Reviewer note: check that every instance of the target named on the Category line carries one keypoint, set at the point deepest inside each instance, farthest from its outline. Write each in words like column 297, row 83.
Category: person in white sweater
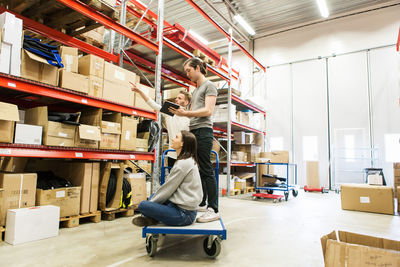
column 175, row 203
column 174, row 124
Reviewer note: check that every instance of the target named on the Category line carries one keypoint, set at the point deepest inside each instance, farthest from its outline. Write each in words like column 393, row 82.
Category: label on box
column 62, row 134
column 364, row 200
column 60, row 194
column 90, row 131
column 69, row 61
column 127, row 135
column 119, row 75
column 110, row 124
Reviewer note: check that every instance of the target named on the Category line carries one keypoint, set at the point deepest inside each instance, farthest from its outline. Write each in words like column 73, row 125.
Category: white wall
column 364, row 109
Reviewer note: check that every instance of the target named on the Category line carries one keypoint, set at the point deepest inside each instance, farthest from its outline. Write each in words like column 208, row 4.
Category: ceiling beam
column 236, row 29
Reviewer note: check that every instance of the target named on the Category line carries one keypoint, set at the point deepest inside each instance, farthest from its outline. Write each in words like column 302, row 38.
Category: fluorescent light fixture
column 323, row 8
column 244, row 24
column 201, row 39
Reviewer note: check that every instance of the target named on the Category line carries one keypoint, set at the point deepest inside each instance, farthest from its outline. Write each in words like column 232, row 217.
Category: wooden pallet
column 74, row 221
column 249, row 189
column 112, row 214
column 2, row 232
column 234, row 192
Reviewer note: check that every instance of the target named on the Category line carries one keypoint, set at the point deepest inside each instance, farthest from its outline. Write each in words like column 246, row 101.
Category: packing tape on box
column 128, row 135
column 69, row 61
column 20, row 191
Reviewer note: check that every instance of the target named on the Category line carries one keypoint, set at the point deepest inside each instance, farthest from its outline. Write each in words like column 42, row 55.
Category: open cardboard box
column 351, row 249
column 106, row 169
column 8, row 116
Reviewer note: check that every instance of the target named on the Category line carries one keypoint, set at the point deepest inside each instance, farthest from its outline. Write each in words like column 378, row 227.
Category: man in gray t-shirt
column 204, row 98
column 198, row 101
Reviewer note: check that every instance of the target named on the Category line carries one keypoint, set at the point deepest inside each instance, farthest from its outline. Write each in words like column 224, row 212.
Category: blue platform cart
column 214, row 232
column 286, row 188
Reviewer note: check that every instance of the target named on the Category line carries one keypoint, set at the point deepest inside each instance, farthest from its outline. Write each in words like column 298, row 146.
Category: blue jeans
column 167, row 213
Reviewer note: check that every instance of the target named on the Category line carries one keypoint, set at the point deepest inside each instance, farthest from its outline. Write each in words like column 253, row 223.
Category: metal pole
column 229, row 127
column 370, row 109
column 329, row 122
column 160, row 27
column 122, row 20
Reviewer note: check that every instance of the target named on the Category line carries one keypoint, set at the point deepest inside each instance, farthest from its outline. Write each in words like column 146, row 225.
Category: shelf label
column 12, row 85
column 132, row 156
column 5, row 151
column 84, row 101
column 134, row 112
column 78, row 155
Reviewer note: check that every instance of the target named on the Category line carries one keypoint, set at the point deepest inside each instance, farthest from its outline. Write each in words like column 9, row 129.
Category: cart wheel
column 295, row 193
column 151, row 245
column 275, row 200
column 270, row 191
column 286, row 196
column 215, row 248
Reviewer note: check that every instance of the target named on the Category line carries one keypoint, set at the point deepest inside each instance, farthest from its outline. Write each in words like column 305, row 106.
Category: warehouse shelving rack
column 141, row 56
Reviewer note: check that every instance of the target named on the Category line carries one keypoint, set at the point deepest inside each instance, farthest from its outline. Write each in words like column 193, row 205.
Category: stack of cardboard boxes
column 252, row 119
column 247, row 146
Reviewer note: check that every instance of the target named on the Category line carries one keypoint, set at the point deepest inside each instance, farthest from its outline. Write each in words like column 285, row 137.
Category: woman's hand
column 135, row 88
column 181, row 111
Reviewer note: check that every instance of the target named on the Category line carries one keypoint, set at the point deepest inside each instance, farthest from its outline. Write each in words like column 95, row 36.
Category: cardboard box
column 144, row 165
column 398, row 198
column 116, row 74
column 251, row 151
column 19, row 191
column 240, row 137
column 8, row 116
column 138, row 186
column 111, row 132
column 87, row 136
column 94, row 189
column 1, row 201
column 128, row 136
column 31, row 224
column 74, row 81
column 105, row 172
column 276, row 156
column 142, row 144
column 54, row 133
column 139, row 101
column 95, row 86
column 110, row 141
column 370, row 198
column 13, row 164
column 69, row 58
column 241, row 185
column 312, row 174
column 351, row 249
column 68, row 199
column 118, row 93
column 38, row 69
column 91, row 116
column 91, row 65
column 10, row 44
column 28, row 134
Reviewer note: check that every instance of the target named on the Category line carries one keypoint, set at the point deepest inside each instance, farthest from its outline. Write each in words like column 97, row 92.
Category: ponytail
column 197, row 62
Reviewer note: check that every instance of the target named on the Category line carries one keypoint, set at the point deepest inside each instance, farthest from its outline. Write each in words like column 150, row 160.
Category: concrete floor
column 260, row 233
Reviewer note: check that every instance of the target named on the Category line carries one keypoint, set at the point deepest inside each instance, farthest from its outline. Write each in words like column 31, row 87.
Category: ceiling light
column 201, row 39
column 323, row 9
column 244, row 24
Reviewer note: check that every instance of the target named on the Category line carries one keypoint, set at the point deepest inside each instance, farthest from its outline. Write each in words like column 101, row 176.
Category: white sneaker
column 208, row 216
column 202, row 208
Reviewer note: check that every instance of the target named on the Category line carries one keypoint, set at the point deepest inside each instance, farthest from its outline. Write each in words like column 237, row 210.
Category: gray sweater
column 182, row 186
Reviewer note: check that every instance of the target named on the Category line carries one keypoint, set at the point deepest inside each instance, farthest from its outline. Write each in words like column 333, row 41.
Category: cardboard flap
column 88, row 132
column 36, row 57
column 36, row 116
column 110, row 127
column 8, row 112
column 91, row 117
column 324, row 241
column 370, row 241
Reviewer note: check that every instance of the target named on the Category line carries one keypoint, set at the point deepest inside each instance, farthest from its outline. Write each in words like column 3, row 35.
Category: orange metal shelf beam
column 14, row 150
column 27, row 86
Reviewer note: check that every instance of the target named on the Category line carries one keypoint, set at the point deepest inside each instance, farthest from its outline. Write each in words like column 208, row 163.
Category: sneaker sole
column 207, row 220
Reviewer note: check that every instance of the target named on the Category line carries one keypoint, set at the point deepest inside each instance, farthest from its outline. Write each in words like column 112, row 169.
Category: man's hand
column 181, row 111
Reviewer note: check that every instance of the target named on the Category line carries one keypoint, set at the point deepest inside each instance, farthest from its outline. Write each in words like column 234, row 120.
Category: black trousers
column 171, row 162
column 204, row 138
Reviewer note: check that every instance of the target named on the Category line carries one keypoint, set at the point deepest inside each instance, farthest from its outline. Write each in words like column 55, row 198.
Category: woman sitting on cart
column 175, row 203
